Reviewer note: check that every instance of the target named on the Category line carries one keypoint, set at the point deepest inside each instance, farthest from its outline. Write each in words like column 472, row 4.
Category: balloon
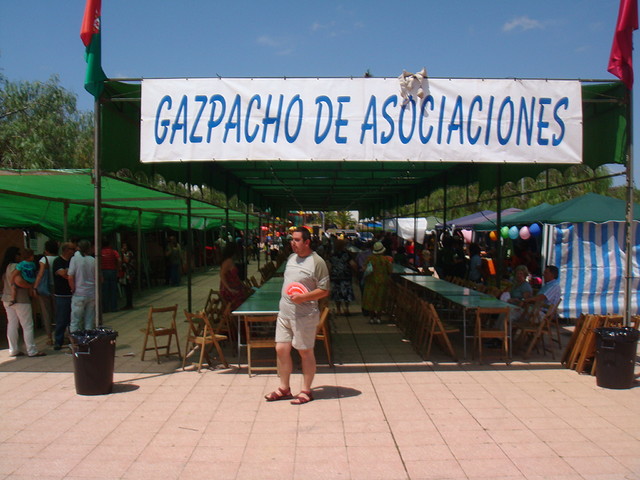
column 513, row 232
column 524, row 233
column 493, row 236
column 467, row 235
column 534, row 229
column 504, row 232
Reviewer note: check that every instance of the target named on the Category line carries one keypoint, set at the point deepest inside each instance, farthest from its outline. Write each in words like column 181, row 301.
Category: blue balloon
column 513, row 232
column 534, row 229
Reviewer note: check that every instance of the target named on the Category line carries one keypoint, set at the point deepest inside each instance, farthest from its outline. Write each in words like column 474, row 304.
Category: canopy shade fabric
column 513, row 218
column 38, row 200
column 587, row 208
column 371, row 187
column 469, row 221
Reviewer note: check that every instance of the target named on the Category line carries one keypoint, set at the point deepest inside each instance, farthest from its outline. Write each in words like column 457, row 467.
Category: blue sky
column 197, row 38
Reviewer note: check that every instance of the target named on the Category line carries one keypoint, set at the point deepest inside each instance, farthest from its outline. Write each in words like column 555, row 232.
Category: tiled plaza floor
column 380, row 413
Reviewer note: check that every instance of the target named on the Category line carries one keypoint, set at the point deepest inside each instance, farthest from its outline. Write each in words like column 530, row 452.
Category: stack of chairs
column 579, row 355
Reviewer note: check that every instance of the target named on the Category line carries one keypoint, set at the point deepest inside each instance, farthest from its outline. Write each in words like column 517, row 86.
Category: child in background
column 24, row 275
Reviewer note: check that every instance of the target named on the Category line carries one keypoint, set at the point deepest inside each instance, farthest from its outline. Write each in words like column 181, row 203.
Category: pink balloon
column 468, row 235
column 524, row 233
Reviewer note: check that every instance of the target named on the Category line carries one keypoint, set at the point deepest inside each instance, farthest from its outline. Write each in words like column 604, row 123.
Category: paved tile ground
column 381, row 413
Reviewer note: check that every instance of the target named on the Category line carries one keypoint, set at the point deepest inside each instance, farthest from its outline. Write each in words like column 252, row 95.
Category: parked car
column 366, row 236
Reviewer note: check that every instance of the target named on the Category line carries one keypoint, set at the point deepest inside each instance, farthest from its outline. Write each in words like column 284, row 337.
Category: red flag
column 621, row 58
column 90, row 35
column 90, row 21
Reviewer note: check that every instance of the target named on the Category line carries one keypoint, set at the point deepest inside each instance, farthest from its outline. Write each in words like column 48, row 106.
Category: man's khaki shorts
column 301, row 333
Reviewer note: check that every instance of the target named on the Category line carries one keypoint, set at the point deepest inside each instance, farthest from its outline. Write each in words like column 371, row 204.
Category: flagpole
column 629, row 240
column 97, row 210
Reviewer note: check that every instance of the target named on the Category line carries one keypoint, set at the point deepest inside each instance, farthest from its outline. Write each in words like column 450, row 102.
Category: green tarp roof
column 370, row 187
column 587, row 208
column 38, row 199
column 512, row 219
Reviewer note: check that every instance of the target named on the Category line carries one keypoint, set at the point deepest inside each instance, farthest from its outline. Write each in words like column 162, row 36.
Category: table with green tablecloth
column 464, row 298
column 263, row 302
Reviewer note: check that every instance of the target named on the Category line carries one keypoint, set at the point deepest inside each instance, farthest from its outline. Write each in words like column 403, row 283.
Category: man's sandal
column 279, row 394
column 305, row 396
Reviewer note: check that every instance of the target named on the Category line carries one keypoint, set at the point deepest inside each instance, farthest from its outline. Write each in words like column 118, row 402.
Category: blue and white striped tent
column 591, row 258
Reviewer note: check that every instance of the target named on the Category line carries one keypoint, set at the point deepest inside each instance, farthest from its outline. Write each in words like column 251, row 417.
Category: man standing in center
column 81, row 274
column 299, row 316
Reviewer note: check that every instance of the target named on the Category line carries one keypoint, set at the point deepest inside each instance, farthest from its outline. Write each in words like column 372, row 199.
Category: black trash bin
column 94, row 354
column 616, row 356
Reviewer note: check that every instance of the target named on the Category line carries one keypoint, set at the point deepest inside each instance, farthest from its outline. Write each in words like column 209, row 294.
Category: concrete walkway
column 380, row 413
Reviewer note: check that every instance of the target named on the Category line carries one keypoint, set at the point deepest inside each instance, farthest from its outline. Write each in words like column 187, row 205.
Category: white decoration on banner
column 411, row 83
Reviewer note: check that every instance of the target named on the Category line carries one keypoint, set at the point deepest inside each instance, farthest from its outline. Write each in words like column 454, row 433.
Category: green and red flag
column 621, row 58
column 90, row 35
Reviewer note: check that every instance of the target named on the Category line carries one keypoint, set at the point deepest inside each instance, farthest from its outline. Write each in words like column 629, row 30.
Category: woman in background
column 45, row 274
column 232, row 290
column 19, row 313
column 376, row 282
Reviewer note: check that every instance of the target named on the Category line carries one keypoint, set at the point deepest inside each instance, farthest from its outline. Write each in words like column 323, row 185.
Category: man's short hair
column 68, row 246
column 554, row 270
column 85, row 247
column 306, row 234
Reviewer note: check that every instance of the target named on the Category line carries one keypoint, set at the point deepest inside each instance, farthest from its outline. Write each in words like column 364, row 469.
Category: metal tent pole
column 499, row 262
column 629, row 241
column 97, row 211
column 189, row 242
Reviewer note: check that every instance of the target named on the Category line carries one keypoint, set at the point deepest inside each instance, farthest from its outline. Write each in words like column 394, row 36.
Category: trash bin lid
column 84, row 337
column 618, row 334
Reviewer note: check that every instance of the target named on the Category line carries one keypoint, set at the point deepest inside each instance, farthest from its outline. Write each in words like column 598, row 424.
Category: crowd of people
column 62, row 280
column 447, row 255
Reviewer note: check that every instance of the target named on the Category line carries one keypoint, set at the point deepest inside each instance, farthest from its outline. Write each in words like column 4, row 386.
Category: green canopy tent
column 590, row 207
column 59, row 203
column 513, row 219
column 371, row 187
column 374, row 188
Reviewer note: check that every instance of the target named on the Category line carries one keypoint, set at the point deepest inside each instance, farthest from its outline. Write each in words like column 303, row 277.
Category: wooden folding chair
column 484, row 329
column 571, row 344
column 201, row 335
column 433, row 326
column 536, row 329
column 583, row 328
column 323, row 333
column 213, row 300
column 225, row 324
column 587, row 353
column 260, row 335
column 154, row 331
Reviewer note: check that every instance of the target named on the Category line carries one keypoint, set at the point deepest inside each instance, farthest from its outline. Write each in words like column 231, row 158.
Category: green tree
column 551, row 186
column 40, row 127
column 340, row 219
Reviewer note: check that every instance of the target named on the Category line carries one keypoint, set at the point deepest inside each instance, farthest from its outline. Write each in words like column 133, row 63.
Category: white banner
column 367, row 119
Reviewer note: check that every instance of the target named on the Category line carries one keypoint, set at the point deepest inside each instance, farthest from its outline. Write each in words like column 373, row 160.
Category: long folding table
column 263, row 302
column 463, row 297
